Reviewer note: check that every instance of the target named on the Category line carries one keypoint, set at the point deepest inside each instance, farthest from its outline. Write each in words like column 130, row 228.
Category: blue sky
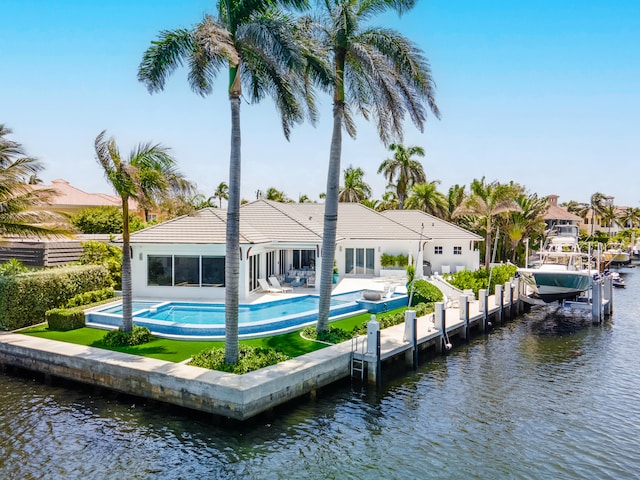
column 542, row 93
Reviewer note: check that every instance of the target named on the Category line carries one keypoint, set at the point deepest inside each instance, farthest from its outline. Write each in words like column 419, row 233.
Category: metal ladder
column 357, row 364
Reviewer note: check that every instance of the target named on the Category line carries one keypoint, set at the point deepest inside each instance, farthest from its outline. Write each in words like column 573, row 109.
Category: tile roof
column 264, row 221
column 69, row 196
column 434, row 227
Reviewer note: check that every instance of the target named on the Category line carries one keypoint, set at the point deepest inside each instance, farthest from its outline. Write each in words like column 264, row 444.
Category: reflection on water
column 537, row 398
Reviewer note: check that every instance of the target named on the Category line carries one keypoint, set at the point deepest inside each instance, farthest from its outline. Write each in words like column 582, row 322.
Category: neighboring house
column 70, row 200
column 446, row 246
column 49, row 252
column 184, row 258
column 556, row 215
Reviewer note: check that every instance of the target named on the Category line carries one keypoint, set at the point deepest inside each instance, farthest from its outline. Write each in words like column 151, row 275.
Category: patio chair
column 264, row 285
column 311, row 281
column 276, row 284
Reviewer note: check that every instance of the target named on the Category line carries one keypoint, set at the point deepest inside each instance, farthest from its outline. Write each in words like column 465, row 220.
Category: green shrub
column 100, row 253
column 338, row 335
column 25, row 298
column 479, row 279
column 104, row 220
column 402, row 260
column 387, row 260
column 425, row 292
column 118, row 338
column 91, row 296
column 249, row 359
column 12, row 267
column 64, row 319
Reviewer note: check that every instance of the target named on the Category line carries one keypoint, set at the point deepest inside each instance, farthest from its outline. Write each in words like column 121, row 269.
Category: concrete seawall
column 235, row 396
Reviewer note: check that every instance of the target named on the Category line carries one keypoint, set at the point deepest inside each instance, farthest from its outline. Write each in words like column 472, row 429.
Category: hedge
column 25, row 298
column 72, row 315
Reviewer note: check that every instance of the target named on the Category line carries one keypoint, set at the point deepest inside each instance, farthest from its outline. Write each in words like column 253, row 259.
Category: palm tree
column 303, row 198
column 260, row 47
column 371, row 203
column 147, row 172
column 455, row 197
column 355, row 189
column 426, row 197
column 486, row 201
column 631, row 217
column 275, row 195
column 389, row 201
column 23, row 209
column 527, row 222
column 597, row 204
column 378, row 73
column 404, row 169
column 609, row 215
column 221, row 193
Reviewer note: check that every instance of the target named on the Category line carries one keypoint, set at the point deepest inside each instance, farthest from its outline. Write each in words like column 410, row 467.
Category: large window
column 160, row 270
column 304, row 259
column 185, row 271
column 359, row 261
column 213, row 271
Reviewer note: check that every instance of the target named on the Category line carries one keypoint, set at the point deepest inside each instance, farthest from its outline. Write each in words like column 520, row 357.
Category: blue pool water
column 192, row 319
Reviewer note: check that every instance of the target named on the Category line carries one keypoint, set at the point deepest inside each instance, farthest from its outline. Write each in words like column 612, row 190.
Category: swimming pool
column 206, row 320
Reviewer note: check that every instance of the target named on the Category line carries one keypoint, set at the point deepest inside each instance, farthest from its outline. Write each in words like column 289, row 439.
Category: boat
column 614, row 255
column 616, row 279
column 635, row 250
column 563, row 271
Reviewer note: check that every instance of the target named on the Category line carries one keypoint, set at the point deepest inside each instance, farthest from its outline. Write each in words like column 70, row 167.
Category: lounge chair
column 275, row 283
column 264, row 285
column 311, row 281
column 446, row 269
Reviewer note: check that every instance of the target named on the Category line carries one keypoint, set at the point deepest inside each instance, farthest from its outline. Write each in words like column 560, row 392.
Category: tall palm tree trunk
column 330, row 218
column 127, row 294
column 232, row 258
column 487, row 247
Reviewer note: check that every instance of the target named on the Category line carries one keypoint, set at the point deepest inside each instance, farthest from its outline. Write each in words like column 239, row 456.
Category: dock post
column 596, row 301
column 510, row 286
column 411, row 334
column 464, row 314
column 499, row 299
column 439, row 324
column 484, row 309
column 608, row 295
column 518, row 288
column 373, row 351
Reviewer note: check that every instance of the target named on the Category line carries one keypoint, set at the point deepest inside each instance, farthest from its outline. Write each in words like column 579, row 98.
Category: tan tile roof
column 207, row 226
column 558, row 213
column 434, row 227
column 265, row 221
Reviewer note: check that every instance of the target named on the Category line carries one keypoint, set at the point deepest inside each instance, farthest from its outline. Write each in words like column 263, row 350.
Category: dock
column 242, row 397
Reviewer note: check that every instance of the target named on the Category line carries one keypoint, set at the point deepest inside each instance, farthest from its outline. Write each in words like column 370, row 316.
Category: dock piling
column 464, row 315
column 484, row 308
column 439, row 324
column 499, row 300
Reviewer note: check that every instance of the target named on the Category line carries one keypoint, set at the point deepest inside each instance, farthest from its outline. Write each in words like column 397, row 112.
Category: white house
column 184, row 258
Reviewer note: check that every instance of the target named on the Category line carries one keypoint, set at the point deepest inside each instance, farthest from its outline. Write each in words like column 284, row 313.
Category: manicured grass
column 291, row 344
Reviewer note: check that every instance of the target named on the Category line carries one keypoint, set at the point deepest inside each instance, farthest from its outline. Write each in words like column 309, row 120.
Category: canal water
column 546, row 396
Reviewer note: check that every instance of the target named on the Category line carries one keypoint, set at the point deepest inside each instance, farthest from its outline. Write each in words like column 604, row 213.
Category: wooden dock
column 453, row 322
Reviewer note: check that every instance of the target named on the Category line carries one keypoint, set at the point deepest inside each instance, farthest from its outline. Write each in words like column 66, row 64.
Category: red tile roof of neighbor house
column 69, row 196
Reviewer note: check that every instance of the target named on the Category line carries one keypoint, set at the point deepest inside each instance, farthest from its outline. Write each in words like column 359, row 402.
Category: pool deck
column 240, row 396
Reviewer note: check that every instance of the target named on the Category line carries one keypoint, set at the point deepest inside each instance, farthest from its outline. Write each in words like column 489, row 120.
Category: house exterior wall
column 468, row 258
column 141, row 289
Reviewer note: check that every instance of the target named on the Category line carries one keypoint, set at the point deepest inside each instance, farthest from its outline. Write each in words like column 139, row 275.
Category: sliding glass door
column 359, row 261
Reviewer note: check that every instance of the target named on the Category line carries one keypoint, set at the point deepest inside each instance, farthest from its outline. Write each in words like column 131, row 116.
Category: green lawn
column 291, row 344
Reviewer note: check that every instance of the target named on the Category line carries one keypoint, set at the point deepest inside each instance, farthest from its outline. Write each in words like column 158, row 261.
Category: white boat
column 563, row 272
column 635, row 250
column 615, row 255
